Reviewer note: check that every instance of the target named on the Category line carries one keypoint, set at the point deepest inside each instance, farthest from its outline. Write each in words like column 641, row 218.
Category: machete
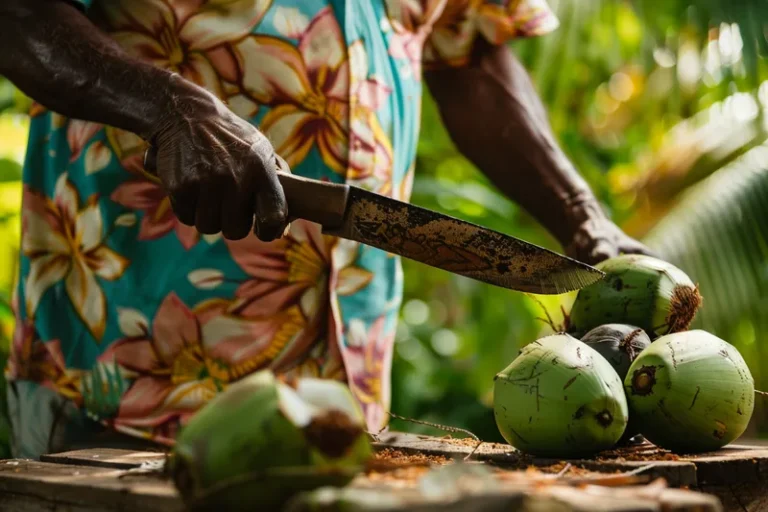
column 427, row 236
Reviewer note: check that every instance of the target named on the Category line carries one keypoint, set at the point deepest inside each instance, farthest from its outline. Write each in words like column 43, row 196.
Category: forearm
column 497, row 120
column 56, row 56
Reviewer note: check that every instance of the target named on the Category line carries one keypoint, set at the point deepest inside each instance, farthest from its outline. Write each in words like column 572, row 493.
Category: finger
column 184, row 205
column 237, row 214
column 282, row 165
column 271, row 206
column 601, row 251
column 208, row 213
column 635, row 247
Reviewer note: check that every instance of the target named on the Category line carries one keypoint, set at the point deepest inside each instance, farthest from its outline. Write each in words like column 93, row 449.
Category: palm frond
column 718, row 234
column 102, row 390
column 750, row 16
column 694, row 149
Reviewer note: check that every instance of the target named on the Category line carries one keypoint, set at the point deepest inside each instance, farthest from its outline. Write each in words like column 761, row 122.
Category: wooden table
column 494, row 478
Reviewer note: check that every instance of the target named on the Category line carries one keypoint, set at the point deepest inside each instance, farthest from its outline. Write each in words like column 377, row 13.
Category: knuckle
column 273, row 218
column 235, row 233
column 207, row 228
column 261, row 147
column 172, row 188
column 186, row 181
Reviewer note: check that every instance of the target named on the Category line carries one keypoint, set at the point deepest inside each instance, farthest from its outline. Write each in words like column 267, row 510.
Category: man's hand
column 497, row 120
column 590, row 236
column 598, row 239
column 217, row 168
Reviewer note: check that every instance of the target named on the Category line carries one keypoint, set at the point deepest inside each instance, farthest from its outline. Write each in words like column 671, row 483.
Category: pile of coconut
column 627, row 367
column 635, row 371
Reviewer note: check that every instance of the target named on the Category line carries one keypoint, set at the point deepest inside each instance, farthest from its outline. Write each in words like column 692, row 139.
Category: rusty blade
column 459, row 247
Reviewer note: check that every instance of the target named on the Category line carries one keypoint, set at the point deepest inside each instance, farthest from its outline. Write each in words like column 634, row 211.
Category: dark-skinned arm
column 217, row 168
column 496, row 119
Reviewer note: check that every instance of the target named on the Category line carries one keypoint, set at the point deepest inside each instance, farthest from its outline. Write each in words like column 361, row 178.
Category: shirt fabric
column 137, row 318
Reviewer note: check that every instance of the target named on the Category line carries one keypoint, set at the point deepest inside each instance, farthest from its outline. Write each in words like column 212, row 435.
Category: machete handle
column 320, row 202
column 317, row 201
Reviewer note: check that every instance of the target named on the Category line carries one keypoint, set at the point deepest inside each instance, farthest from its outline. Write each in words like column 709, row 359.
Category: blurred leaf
column 751, row 16
column 6, row 95
column 631, row 88
column 10, row 170
column 718, row 234
column 694, row 149
column 654, row 138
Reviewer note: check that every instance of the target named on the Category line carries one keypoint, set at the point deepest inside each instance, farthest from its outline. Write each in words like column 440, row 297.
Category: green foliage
column 10, row 170
column 719, row 235
column 6, row 319
column 11, row 99
column 748, row 15
column 102, row 391
column 649, row 99
column 642, row 99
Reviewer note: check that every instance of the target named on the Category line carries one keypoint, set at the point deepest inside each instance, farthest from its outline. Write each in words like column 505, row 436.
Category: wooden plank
column 677, row 473
column 733, row 464
column 739, row 497
column 730, row 465
column 38, row 486
column 30, row 486
column 519, row 497
column 570, row 500
column 89, row 480
column 106, row 458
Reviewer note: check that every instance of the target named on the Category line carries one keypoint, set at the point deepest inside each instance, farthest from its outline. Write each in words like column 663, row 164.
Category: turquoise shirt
column 139, row 319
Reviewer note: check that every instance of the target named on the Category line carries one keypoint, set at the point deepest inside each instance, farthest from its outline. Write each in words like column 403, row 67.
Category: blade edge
column 460, row 247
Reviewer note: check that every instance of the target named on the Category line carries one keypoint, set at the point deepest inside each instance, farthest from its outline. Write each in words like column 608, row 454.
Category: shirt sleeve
column 498, row 21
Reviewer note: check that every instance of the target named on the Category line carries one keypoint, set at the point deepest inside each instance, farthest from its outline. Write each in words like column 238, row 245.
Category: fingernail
column 287, row 230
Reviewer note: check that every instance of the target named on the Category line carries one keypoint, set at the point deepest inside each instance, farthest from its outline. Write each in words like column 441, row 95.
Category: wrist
column 170, row 89
column 580, row 208
column 179, row 105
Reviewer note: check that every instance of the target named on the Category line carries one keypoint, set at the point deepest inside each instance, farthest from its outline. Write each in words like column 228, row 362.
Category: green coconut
column 560, row 398
column 620, row 344
column 264, row 440
column 690, row 392
column 637, row 290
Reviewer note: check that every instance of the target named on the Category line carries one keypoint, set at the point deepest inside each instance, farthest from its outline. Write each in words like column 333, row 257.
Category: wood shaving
column 643, row 452
column 391, row 456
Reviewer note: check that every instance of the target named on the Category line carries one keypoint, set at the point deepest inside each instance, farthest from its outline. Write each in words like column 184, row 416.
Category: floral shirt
column 139, row 319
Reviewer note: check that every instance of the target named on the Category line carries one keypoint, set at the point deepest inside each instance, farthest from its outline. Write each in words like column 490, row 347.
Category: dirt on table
column 643, row 452
column 398, row 466
column 461, row 441
column 471, row 443
column 561, row 468
column 407, row 468
column 393, row 457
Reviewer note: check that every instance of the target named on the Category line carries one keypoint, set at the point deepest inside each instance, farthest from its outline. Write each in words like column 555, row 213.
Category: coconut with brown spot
column 637, row 290
column 690, row 392
column 559, row 398
column 264, row 440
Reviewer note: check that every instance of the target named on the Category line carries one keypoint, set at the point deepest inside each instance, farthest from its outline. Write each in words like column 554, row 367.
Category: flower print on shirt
column 307, row 86
column 66, row 242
